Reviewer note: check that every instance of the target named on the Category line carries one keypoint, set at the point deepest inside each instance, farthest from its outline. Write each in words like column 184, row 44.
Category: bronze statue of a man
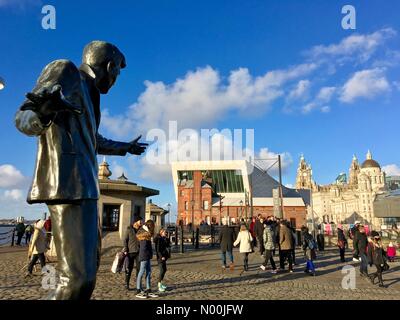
column 63, row 110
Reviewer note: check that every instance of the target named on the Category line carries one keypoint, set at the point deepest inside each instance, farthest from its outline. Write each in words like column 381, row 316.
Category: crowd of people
column 273, row 235
column 27, row 230
column 138, row 251
column 368, row 250
column 269, row 237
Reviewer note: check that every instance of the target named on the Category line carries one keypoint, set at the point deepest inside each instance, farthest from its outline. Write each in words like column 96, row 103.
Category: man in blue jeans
column 226, row 240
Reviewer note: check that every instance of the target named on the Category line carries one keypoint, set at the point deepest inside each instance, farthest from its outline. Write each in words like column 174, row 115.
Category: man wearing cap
column 63, row 111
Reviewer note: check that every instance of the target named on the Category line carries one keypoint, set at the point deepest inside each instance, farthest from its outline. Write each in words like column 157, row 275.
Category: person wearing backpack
column 309, row 248
column 245, row 240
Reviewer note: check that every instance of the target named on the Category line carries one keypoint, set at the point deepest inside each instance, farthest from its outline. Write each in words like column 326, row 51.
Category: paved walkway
column 198, row 275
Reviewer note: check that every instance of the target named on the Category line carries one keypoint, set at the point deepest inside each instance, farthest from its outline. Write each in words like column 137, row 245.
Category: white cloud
column 204, row 94
column 391, row 170
column 357, row 47
column 11, row 177
column 13, row 194
column 289, row 185
column 365, row 84
column 325, row 109
column 300, row 91
column 325, row 94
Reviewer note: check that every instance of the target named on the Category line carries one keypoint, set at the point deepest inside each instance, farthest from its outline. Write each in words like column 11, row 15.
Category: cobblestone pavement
column 198, row 275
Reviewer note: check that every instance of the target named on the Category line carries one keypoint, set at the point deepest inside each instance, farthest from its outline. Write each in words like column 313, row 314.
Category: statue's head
column 106, row 61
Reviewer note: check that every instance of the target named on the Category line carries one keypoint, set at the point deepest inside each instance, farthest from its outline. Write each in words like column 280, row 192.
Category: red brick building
column 213, row 191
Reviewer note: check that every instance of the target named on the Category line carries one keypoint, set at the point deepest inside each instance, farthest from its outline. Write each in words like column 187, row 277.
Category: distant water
column 4, row 229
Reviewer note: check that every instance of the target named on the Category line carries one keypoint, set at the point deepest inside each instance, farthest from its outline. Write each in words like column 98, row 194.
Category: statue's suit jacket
column 66, row 166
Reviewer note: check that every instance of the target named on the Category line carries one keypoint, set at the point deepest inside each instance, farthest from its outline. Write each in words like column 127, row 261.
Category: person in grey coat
column 131, row 248
column 226, row 240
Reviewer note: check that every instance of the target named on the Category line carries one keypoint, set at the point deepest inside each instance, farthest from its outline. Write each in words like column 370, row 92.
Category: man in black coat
column 259, row 231
column 226, row 240
column 353, row 234
column 362, row 243
column 131, row 248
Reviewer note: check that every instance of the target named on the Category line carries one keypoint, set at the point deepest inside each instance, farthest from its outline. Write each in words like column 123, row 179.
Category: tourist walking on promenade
column 377, row 257
column 259, row 232
column 226, row 239
column 362, row 243
column 275, row 228
column 342, row 242
column 131, row 248
column 20, row 228
column 309, row 248
column 246, row 245
column 269, row 246
column 163, row 253
column 144, row 235
column 28, row 233
column 294, row 242
column 286, row 245
column 38, row 247
column 353, row 234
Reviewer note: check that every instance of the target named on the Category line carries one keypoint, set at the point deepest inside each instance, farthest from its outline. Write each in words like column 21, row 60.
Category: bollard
column 182, row 247
column 212, row 235
column 12, row 238
column 197, row 238
column 176, row 235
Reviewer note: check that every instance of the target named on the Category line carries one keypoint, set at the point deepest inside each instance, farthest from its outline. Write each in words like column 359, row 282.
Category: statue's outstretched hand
column 137, row 147
column 47, row 102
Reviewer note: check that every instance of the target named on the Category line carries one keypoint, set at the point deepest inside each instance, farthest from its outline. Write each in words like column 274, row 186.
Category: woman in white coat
column 246, row 245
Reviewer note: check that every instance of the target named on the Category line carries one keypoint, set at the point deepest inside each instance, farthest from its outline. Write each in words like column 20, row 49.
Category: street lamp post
column 169, row 214
column 241, row 209
column 192, row 203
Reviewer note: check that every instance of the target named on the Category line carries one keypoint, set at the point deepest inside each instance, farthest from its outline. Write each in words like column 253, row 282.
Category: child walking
column 162, row 245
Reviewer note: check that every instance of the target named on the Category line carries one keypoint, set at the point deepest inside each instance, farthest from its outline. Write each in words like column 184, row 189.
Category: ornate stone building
column 345, row 201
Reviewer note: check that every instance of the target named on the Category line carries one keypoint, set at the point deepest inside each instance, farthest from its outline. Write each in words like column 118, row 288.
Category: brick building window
column 205, row 204
column 186, row 205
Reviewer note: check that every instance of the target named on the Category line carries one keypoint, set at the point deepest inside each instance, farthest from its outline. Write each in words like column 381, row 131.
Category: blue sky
column 286, row 69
